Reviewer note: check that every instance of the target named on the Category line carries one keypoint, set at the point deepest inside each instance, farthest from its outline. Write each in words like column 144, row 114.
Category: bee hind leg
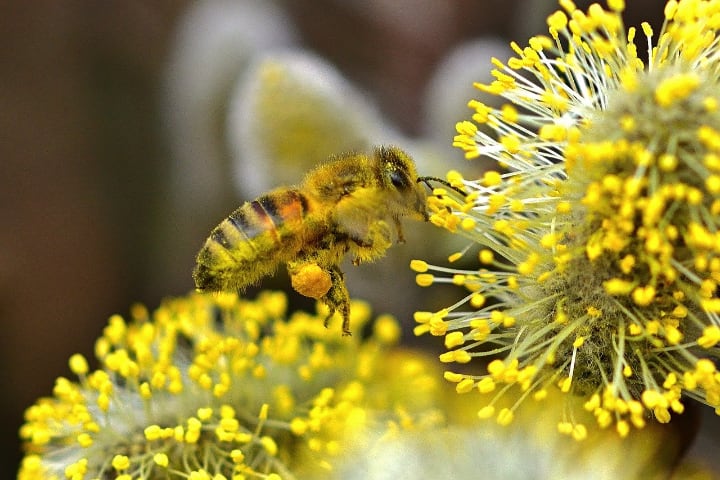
column 338, row 299
column 398, row 228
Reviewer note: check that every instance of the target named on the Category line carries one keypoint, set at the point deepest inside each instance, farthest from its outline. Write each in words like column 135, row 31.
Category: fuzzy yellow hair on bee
column 351, row 204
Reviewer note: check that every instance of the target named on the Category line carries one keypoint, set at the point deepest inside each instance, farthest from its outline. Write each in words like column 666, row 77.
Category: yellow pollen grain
column 452, row 376
column 454, row 339
column 647, row 29
column 643, row 296
column 565, row 428
column 161, row 459
column 712, row 182
column 553, row 133
column 557, row 21
column 120, row 462
column 78, row 364
column 710, row 337
column 447, row 357
column 424, row 279
column 298, row 426
column 455, row 178
column 676, row 88
column 153, row 432
column 579, row 432
column 467, row 223
column 477, row 300
column 387, row 330
column 269, row 445
column 454, row 257
column 84, row 440
column 540, row 395
column 673, row 335
column 486, row 256
column 667, row 162
column 465, row 385
column 694, row 196
column 616, row 5
column 486, row 385
column 565, row 384
column 627, row 263
column 462, row 356
column 480, row 329
column 491, row 178
column 617, row 286
column 486, row 412
column 505, row 417
column 509, row 113
column 466, row 128
column 103, row 402
column 512, row 143
column 419, row 266
column 555, row 101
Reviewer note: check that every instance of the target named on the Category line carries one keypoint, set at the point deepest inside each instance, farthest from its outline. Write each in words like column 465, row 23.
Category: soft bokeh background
column 89, row 187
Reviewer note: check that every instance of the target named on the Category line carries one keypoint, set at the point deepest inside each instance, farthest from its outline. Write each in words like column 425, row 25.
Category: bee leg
column 398, row 227
column 338, row 299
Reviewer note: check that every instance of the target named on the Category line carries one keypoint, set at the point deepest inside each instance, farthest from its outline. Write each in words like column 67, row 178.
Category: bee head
column 398, row 175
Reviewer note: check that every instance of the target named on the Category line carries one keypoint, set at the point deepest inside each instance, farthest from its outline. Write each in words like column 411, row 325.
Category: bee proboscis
column 350, row 205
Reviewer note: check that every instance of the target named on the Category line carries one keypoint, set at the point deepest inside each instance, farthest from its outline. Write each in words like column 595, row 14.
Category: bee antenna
column 427, row 180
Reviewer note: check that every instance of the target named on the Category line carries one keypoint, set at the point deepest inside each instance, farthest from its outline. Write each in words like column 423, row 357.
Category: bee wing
column 358, row 213
column 335, row 180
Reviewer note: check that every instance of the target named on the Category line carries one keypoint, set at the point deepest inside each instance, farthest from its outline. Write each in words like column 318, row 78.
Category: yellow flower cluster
column 212, row 387
column 599, row 234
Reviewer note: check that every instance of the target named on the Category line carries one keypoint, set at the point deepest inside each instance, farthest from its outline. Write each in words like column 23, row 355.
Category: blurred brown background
column 83, row 160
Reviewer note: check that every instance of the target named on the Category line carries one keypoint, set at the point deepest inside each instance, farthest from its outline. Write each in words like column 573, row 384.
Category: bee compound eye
column 399, row 180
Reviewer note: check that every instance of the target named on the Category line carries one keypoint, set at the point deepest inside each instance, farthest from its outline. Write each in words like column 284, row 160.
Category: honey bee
column 350, row 205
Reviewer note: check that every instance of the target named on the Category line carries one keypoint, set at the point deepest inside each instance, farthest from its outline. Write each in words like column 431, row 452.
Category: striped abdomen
column 252, row 241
